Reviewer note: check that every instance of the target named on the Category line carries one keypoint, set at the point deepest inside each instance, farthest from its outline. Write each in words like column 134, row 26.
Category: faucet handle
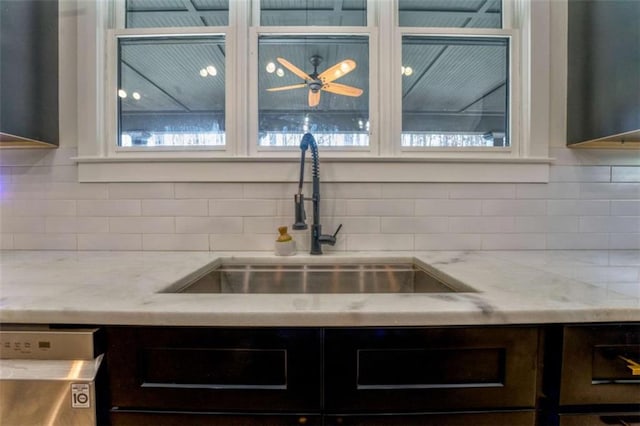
column 337, row 230
column 329, row 239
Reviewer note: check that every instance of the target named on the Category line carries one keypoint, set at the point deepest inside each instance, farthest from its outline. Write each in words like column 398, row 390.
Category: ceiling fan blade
column 342, row 89
column 297, row 71
column 314, row 98
column 293, row 86
column 337, row 71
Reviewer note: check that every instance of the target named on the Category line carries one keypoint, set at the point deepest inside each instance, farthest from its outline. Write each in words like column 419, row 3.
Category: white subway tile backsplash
column 76, row 191
column 22, row 224
column 591, row 202
column 513, row 242
column 244, row 242
column 380, row 207
column 347, row 191
column 514, row 207
column 350, row 224
column 45, row 242
column 482, row 190
column 75, row 225
column 102, row 208
column 448, row 242
column 43, row 208
column 6, row 241
column 545, row 224
column 413, row 225
column 448, row 207
column 578, row 241
column 269, row 190
column 415, row 190
column 603, row 224
column 210, row 225
column 110, row 241
column 577, row 207
column 626, row 241
column 185, row 242
column 242, row 207
column 206, row 190
column 44, row 174
column 175, row 208
column 146, row 190
column 23, row 191
column 552, row 190
column 625, row 207
column 142, row 225
column 609, row 191
column 379, row 242
column 471, row 225
column 625, row 174
column 580, row 174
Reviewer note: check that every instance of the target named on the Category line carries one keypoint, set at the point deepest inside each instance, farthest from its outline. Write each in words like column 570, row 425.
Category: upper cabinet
column 29, row 73
column 603, row 101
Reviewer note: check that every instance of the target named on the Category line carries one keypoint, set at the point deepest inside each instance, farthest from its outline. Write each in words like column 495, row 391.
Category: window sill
column 379, row 169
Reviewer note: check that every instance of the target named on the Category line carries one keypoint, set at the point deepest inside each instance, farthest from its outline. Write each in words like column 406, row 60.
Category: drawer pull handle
column 631, row 365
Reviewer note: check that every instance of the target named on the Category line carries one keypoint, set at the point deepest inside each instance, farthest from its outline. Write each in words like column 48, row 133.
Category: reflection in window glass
column 456, row 94
column 321, row 86
column 450, row 13
column 313, row 12
column 176, row 13
column 171, row 91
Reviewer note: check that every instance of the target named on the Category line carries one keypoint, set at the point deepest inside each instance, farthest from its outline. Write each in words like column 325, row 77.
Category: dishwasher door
column 48, row 377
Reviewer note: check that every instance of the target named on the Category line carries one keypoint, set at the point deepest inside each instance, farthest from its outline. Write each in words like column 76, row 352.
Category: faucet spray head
column 300, row 213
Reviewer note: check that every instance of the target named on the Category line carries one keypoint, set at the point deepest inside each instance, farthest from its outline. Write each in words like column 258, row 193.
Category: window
column 171, row 91
column 420, row 79
column 331, row 100
column 455, row 92
column 171, row 77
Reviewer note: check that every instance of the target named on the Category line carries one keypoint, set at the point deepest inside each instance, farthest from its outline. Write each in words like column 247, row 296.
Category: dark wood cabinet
column 29, row 69
column 281, row 376
column 208, row 370
column 494, row 418
column 603, row 84
column 430, row 369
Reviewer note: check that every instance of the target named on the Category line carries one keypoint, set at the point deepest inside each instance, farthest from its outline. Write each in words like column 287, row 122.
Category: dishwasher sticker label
column 80, row 395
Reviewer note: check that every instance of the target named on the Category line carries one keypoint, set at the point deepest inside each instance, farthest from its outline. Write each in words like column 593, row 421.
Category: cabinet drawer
column 158, row 418
column 430, row 369
column 214, row 369
column 506, row 418
column 608, row 419
column 596, row 364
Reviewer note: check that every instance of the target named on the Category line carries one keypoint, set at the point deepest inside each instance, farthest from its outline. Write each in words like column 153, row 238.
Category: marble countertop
column 512, row 287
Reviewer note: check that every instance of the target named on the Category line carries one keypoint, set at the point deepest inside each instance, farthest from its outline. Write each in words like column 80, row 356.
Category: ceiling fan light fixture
column 211, row 70
column 203, row 72
column 271, row 67
column 280, row 72
column 122, row 93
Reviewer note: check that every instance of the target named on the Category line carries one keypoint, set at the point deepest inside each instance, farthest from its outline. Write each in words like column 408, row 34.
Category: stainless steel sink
column 318, row 278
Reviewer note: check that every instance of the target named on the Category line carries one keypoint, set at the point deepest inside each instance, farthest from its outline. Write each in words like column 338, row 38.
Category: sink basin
column 318, row 278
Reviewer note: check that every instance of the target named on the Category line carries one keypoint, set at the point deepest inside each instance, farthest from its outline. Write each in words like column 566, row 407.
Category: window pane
column 171, row 91
column 313, row 12
column 177, row 13
column 456, row 93
column 451, row 13
column 341, row 116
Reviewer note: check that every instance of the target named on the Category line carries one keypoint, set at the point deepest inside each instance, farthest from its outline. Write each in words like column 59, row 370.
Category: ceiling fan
column 323, row 81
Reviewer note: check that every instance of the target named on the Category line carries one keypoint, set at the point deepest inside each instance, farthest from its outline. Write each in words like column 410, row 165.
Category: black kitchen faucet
column 317, row 238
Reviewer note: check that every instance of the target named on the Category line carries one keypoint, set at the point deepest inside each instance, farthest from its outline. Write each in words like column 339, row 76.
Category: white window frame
column 385, row 160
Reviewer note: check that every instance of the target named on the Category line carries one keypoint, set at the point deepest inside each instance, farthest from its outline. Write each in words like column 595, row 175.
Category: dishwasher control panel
column 46, row 343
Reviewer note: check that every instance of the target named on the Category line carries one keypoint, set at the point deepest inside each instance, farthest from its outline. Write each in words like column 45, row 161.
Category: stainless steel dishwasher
column 48, row 376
